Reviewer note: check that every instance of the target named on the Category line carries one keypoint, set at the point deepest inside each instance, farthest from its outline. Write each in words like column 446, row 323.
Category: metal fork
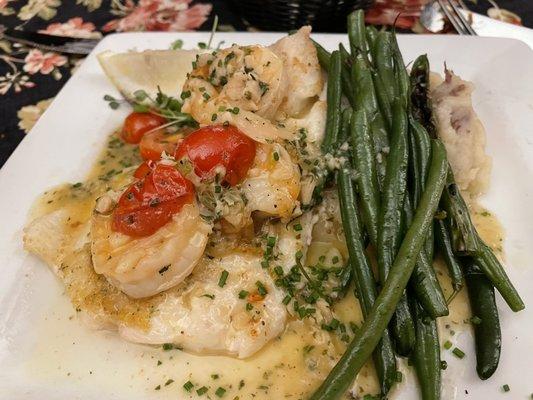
column 456, row 17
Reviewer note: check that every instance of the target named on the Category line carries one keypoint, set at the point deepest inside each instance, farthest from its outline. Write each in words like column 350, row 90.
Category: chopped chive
column 458, row 352
column 223, row 277
column 215, row 376
column 278, row 270
column 203, row 390
column 220, row 392
column 443, row 365
column 506, row 388
column 271, row 241
column 159, row 363
column 264, row 264
column 158, row 387
column 286, row 299
column 297, row 227
column 249, row 307
column 447, row 345
column 261, row 288
column 188, row 386
column 169, row 382
column 276, row 156
column 243, row 294
column 335, row 260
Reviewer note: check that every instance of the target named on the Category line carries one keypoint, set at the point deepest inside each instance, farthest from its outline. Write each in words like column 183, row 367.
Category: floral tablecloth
column 30, row 78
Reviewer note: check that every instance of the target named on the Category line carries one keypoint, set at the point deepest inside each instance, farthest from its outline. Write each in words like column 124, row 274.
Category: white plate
column 44, row 355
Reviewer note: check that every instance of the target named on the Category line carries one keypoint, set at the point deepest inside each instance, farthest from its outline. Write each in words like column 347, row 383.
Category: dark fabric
column 29, row 78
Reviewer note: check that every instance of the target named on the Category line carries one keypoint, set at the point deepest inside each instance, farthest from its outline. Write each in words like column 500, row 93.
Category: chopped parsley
column 264, row 87
column 261, row 288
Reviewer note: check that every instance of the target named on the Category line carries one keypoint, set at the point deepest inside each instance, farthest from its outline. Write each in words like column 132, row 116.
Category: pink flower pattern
column 160, row 15
column 45, row 63
column 74, row 27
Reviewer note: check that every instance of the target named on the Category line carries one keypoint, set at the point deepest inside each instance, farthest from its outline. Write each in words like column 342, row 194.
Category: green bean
column 370, row 333
column 452, row 263
column 364, row 162
column 493, row 269
column 487, row 331
column 389, row 223
column 323, row 55
column 347, row 87
column 393, row 193
column 402, row 77
column 384, row 63
column 384, row 359
column 426, row 355
column 420, row 146
column 421, row 104
column 464, row 237
column 357, row 34
column 365, row 98
column 333, row 117
column 371, row 35
column 424, row 281
column 382, row 99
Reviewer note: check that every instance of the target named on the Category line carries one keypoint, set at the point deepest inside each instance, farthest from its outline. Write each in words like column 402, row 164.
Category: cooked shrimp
column 273, row 182
column 241, row 85
column 303, row 71
column 142, row 267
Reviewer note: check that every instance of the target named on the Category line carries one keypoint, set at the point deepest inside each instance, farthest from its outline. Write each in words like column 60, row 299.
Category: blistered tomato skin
column 137, row 124
column 153, row 144
column 217, row 145
column 150, row 203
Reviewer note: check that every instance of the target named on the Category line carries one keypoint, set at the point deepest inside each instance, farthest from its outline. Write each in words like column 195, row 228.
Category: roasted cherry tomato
column 137, row 124
column 154, row 143
column 150, row 203
column 144, row 169
column 218, row 145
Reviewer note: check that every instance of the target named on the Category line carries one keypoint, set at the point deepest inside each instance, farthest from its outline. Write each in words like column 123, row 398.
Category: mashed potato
column 462, row 133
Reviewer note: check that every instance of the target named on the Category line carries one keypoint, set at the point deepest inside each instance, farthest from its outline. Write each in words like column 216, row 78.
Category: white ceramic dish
column 45, row 354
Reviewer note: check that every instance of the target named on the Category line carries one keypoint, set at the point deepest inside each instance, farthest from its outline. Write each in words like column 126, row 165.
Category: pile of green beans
column 403, row 199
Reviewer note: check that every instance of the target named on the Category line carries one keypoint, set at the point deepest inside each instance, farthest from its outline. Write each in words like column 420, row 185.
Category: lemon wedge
column 148, row 70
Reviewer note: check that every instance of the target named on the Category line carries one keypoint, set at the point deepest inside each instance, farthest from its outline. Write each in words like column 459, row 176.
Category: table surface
column 30, row 78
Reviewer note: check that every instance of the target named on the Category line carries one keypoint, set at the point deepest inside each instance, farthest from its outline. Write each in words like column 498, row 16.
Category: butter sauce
column 289, row 367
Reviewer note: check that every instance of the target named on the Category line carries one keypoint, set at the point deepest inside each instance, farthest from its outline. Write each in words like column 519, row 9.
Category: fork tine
column 462, row 18
column 452, row 18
